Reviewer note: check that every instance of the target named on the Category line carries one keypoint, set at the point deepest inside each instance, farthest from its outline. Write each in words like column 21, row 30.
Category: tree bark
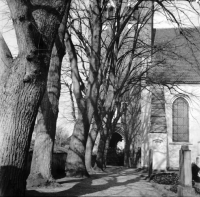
column 89, row 146
column 75, row 163
column 42, row 154
column 41, row 166
column 22, row 85
column 106, row 151
column 126, row 153
column 99, row 164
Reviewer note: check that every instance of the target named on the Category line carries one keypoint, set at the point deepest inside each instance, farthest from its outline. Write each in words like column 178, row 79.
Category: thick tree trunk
column 22, row 85
column 89, row 146
column 131, row 155
column 75, row 164
column 126, row 154
column 42, row 154
column 41, row 166
column 106, row 151
column 99, row 164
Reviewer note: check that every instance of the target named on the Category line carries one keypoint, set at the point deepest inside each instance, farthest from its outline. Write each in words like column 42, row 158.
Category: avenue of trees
column 109, row 48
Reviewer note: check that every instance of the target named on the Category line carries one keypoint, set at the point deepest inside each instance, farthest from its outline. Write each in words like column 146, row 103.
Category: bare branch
column 5, row 54
column 5, row 58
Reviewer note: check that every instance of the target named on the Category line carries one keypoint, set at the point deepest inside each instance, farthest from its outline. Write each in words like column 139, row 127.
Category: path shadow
column 91, row 184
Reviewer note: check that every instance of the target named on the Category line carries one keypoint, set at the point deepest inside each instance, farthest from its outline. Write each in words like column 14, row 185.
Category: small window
column 180, row 120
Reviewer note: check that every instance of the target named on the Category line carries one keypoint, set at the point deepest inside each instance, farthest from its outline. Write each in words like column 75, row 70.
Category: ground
column 116, row 181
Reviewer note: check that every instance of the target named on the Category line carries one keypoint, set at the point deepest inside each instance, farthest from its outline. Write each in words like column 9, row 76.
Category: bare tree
column 126, row 51
column 127, row 48
column 48, row 112
column 110, row 61
column 75, row 164
column 131, row 124
column 23, row 82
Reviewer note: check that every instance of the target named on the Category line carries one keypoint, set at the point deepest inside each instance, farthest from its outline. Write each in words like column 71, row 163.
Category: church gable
column 174, row 115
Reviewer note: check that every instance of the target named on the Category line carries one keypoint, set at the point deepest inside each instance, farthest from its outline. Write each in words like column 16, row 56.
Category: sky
column 186, row 15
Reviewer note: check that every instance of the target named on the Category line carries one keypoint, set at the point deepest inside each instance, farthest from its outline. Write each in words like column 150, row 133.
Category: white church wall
column 158, row 143
column 191, row 92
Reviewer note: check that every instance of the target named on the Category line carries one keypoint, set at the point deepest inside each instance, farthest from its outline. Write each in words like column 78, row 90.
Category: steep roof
column 176, row 56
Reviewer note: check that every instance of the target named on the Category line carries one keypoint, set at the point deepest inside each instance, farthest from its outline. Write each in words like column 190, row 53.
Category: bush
column 197, row 189
column 165, row 178
column 172, row 179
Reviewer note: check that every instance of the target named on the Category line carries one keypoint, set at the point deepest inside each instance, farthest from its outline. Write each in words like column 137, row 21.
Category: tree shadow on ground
column 91, row 185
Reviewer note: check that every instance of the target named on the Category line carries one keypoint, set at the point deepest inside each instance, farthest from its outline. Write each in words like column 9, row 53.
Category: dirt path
column 116, row 181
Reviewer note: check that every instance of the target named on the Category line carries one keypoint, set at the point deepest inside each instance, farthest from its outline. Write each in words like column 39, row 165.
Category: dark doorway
column 115, row 155
column 116, row 137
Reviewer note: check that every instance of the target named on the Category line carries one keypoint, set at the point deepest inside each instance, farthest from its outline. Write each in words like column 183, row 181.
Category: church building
column 171, row 101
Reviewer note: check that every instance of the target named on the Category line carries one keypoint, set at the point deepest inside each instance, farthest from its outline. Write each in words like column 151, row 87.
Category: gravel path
column 117, row 181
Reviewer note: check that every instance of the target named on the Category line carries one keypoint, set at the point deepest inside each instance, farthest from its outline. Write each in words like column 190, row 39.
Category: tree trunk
column 40, row 172
column 131, row 156
column 41, row 166
column 99, row 164
column 75, row 163
column 106, row 151
column 89, row 146
column 22, row 85
column 126, row 153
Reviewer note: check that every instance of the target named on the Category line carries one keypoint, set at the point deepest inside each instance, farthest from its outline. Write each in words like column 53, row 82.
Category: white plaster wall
column 158, row 143
column 192, row 95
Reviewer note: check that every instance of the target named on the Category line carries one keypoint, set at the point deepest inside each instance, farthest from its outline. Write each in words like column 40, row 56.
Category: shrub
column 165, row 178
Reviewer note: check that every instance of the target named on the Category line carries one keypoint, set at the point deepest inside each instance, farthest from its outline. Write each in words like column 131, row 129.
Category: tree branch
column 76, row 79
column 5, row 54
column 5, row 57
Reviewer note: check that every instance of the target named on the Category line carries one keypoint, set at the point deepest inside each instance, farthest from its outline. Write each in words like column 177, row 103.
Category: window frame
column 173, row 121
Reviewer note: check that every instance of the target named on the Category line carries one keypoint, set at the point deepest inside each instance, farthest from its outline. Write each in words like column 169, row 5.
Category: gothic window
column 180, row 120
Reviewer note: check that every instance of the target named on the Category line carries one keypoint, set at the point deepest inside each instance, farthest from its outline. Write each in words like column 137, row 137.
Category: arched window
column 180, row 120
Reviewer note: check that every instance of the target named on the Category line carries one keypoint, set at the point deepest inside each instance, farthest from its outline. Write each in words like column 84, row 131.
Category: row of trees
column 122, row 43
column 109, row 60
